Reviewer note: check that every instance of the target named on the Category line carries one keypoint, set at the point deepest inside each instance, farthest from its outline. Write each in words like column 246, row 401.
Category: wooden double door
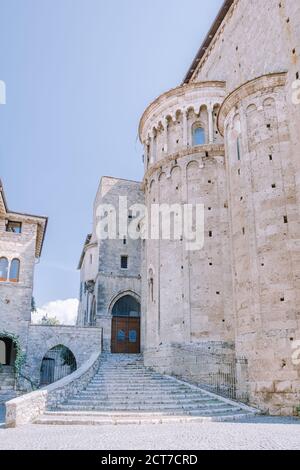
column 126, row 335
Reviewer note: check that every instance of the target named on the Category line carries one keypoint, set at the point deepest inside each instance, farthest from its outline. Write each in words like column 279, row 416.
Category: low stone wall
column 25, row 409
column 82, row 342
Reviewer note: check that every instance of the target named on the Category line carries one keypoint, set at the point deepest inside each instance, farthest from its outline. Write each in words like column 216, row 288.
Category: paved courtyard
column 257, row 433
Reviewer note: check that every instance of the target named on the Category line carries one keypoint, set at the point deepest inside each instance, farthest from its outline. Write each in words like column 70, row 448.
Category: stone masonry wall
column 83, row 342
column 264, row 233
column 112, row 281
column 187, row 292
column 15, row 298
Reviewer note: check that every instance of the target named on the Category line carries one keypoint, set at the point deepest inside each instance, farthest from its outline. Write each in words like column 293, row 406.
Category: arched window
column 127, row 306
column 198, row 135
column 14, row 272
column 3, row 269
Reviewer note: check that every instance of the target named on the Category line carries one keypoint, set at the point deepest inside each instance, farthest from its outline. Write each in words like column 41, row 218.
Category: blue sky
column 79, row 74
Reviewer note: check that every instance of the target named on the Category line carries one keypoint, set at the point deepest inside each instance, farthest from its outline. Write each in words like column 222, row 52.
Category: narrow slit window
column 124, row 262
column 238, row 149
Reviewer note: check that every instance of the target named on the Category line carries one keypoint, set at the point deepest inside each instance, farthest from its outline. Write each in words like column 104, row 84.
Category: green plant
column 49, row 321
column 20, row 356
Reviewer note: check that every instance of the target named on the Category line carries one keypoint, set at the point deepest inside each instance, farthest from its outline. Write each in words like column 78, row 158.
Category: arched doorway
column 126, row 326
column 7, row 351
column 57, row 364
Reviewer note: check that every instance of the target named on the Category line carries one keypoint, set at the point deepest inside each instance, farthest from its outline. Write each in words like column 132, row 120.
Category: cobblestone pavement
column 257, row 433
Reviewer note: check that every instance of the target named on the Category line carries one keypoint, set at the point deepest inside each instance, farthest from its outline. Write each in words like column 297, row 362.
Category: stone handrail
column 25, row 409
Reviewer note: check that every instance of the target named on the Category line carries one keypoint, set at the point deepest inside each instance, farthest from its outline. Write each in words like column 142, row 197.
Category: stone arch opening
column 126, row 328
column 58, row 362
column 8, row 351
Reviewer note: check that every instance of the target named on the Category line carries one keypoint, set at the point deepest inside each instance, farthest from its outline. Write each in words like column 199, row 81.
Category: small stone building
column 22, row 345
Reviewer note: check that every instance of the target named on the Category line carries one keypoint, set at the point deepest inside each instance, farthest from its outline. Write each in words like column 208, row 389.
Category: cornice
column 202, row 151
column 263, row 83
column 178, row 92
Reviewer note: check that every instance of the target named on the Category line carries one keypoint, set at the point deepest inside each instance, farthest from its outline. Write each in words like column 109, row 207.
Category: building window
column 124, row 262
column 198, row 135
column 14, row 272
column 124, row 241
column 3, row 269
column 14, row 227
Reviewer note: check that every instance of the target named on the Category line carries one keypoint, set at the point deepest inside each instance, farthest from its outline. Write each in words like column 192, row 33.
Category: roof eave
column 208, row 40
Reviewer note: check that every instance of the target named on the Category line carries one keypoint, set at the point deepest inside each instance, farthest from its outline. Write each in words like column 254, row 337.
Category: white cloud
column 64, row 310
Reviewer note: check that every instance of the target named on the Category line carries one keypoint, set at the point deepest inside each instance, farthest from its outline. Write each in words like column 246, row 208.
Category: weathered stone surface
column 27, row 408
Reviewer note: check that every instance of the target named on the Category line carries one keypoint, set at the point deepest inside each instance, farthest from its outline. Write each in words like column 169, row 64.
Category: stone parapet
column 26, row 409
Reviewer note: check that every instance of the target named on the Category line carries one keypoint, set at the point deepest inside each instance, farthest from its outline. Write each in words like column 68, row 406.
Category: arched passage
column 58, row 362
column 7, row 351
column 126, row 328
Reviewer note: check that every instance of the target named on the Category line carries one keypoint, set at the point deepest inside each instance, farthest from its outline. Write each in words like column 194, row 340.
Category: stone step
column 115, row 419
column 7, row 369
column 124, row 391
column 145, row 396
column 136, row 386
column 7, row 381
column 149, row 411
column 196, row 402
column 169, row 408
column 6, row 387
column 6, row 376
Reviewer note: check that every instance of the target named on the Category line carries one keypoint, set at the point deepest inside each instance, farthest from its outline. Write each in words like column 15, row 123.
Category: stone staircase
column 7, row 384
column 123, row 391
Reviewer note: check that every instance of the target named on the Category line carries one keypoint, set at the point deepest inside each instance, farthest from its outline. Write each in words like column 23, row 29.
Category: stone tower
column 187, row 294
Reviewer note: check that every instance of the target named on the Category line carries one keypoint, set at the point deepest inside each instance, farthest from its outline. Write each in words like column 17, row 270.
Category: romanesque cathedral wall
column 244, row 285
column 188, row 293
column 264, row 237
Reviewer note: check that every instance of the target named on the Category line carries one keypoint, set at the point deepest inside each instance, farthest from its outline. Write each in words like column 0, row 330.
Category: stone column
column 147, row 153
column 154, row 147
column 165, row 136
column 185, row 129
column 210, row 124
